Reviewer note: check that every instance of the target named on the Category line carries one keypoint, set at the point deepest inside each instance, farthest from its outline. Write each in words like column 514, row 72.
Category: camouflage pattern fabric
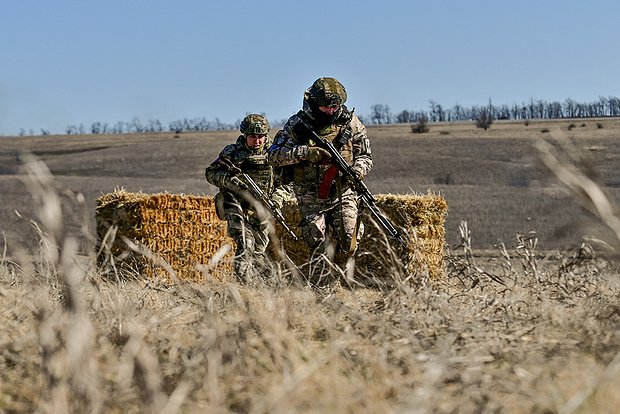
column 251, row 237
column 254, row 124
column 249, row 231
column 336, row 214
column 328, row 92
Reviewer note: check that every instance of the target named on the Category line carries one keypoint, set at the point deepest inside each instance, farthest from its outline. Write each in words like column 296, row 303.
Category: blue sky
column 68, row 62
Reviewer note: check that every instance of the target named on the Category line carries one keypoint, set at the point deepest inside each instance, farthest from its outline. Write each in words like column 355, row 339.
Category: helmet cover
column 254, row 124
column 328, row 92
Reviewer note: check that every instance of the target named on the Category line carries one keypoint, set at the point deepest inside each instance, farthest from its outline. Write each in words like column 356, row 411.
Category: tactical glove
column 235, row 184
column 316, row 154
column 278, row 201
column 358, row 173
column 359, row 176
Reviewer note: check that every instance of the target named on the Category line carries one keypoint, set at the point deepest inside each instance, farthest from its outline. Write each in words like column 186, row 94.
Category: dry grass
column 514, row 334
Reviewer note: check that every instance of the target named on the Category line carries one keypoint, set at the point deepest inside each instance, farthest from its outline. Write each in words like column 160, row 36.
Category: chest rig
column 257, row 167
column 323, row 178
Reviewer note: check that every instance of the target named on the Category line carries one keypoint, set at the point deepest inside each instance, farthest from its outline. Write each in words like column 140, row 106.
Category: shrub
column 421, row 126
column 447, row 179
column 485, row 119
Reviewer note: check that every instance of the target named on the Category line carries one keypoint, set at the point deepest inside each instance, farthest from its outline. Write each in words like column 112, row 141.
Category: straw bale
column 185, row 231
column 420, row 216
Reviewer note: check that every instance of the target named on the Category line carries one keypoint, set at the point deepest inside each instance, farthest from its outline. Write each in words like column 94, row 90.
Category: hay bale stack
column 181, row 229
column 184, row 230
column 421, row 216
column 423, row 219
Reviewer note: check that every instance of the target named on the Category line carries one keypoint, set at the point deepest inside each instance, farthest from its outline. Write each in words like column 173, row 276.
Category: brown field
column 534, row 328
column 492, row 179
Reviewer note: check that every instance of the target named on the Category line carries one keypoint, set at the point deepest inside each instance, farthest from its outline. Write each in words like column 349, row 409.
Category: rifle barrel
column 260, row 196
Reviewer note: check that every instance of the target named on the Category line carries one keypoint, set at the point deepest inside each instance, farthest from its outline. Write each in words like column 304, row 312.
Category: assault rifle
column 363, row 192
column 258, row 195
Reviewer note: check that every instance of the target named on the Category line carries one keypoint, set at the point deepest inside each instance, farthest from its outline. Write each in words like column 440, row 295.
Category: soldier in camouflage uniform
column 249, row 229
column 327, row 201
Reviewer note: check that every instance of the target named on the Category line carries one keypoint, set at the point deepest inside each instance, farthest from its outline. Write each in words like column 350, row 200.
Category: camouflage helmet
column 328, row 92
column 254, row 124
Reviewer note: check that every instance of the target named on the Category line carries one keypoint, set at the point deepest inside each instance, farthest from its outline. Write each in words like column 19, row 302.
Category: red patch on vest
column 328, row 180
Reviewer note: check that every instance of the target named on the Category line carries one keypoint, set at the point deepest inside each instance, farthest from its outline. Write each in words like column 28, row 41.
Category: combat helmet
column 254, row 124
column 328, row 92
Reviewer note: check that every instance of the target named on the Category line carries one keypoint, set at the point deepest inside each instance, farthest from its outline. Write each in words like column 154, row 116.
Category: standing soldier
column 327, row 201
column 248, row 227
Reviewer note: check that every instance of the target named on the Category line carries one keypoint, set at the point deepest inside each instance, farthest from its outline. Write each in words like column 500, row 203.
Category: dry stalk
column 67, row 335
column 584, row 190
column 467, row 266
column 506, row 263
column 562, row 160
column 154, row 258
column 580, row 399
column 526, row 249
column 69, row 363
column 140, row 366
column 394, row 257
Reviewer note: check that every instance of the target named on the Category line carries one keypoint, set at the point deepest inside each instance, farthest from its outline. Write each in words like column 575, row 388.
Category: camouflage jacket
column 252, row 163
column 309, row 179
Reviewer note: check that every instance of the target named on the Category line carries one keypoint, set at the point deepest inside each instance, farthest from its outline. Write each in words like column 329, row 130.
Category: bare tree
column 135, row 125
column 154, row 125
column 405, row 117
column 95, row 128
column 380, row 114
column 433, row 106
column 485, row 119
column 570, row 108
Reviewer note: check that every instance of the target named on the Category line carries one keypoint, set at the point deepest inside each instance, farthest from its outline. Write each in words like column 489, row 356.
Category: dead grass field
column 493, row 179
column 507, row 333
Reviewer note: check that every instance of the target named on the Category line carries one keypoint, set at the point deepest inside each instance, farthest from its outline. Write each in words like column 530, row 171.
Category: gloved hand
column 316, row 154
column 278, row 201
column 358, row 175
column 235, row 184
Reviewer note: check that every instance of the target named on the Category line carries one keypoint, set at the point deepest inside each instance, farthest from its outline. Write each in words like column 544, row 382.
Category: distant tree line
column 152, row 125
column 535, row 109
column 380, row 114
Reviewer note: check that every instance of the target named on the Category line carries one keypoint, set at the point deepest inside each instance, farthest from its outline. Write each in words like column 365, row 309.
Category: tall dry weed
column 517, row 333
column 564, row 160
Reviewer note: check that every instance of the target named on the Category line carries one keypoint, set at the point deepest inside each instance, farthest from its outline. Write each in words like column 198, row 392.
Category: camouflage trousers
column 330, row 227
column 251, row 236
